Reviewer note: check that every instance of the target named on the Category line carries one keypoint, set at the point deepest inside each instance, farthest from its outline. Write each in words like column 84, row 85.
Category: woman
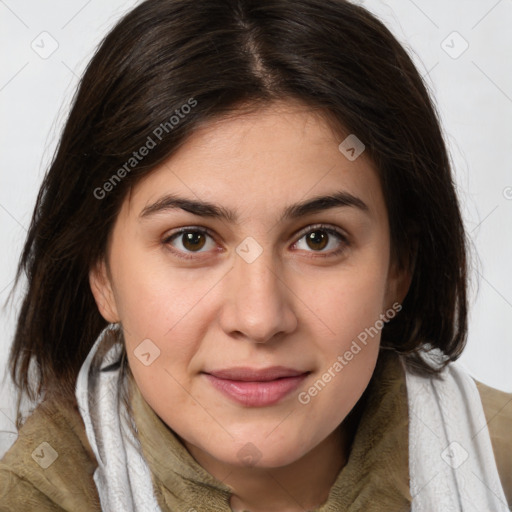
column 247, row 279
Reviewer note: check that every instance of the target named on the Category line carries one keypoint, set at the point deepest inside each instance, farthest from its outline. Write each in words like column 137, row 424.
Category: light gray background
column 472, row 88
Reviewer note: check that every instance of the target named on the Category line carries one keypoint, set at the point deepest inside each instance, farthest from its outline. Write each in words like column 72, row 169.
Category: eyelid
column 183, row 254
column 186, row 229
column 331, row 229
column 326, row 227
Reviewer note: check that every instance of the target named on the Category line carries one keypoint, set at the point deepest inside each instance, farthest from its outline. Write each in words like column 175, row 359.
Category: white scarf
column 122, row 476
column 451, row 462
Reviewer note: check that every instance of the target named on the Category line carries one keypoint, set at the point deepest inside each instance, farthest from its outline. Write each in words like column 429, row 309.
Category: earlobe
column 101, row 288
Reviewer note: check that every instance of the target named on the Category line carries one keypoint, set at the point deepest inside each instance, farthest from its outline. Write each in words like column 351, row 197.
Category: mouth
column 256, row 387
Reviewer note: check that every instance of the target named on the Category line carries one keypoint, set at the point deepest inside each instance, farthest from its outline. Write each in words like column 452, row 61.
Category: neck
column 302, row 485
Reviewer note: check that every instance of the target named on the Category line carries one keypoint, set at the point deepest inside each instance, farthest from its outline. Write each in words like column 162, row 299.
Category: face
column 224, row 259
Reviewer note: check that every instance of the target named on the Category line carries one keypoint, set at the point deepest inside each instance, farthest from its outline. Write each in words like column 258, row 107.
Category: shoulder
column 497, row 407
column 50, row 466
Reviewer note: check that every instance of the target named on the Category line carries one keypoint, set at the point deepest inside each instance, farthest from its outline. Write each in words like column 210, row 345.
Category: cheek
column 163, row 318
column 153, row 296
column 158, row 310
column 342, row 304
column 347, row 329
column 348, row 347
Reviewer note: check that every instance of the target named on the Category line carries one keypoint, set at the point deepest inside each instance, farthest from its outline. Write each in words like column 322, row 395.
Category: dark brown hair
column 222, row 54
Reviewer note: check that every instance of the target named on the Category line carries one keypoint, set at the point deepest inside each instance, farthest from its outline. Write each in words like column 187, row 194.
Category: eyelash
column 316, row 227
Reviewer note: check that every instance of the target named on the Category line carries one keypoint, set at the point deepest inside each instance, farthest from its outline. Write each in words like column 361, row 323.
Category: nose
column 257, row 303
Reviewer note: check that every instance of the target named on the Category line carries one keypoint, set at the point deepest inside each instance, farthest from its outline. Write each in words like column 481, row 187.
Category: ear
column 400, row 276
column 399, row 281
column 101, row 287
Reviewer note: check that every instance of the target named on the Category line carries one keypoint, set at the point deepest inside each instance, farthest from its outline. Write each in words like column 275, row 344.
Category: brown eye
column 186, row 242
column 322, row 239
column 317, row 240
column 193, row 240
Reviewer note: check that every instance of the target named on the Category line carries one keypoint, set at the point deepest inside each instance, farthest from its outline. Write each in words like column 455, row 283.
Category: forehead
column 257, row 162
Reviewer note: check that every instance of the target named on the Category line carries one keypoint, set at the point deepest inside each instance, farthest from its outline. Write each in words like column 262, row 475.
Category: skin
column 298, row 304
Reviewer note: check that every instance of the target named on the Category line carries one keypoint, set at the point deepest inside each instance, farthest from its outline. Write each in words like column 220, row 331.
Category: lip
column 256, row 387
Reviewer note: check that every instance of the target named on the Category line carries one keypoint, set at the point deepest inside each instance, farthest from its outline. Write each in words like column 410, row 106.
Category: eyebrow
column 206, row 209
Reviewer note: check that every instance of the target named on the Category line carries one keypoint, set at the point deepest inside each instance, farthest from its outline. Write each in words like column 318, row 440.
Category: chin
column 258, row 452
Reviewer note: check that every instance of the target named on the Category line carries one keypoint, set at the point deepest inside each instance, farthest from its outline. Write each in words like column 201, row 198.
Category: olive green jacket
column 51, row 465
